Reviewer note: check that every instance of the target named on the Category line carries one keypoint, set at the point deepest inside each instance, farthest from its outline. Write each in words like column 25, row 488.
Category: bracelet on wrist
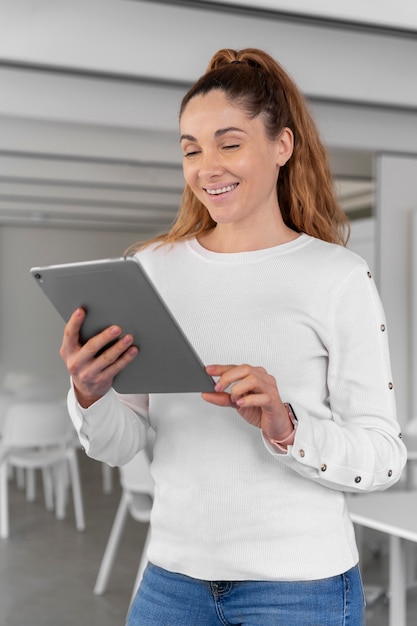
column 289, row 439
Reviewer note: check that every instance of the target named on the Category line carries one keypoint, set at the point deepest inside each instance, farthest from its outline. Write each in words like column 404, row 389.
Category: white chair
column 107, row 478
column 18, row 387
column 137, row 498
column 39, row 435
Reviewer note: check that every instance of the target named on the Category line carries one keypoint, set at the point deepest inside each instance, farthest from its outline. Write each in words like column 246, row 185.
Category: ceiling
column 88, row 133
column 63, row 191
column 400, row 15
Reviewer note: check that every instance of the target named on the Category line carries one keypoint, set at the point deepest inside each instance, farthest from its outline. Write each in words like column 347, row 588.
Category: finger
column 219, row 399
column 88, row 363
column 232, row 374
column 77, row 318
column 259, row 400
column 95, row 376
column 103, row 342
column 71, row 338
column 114, row 352
column 108, row 365
column 251, row 384
column 218, row 370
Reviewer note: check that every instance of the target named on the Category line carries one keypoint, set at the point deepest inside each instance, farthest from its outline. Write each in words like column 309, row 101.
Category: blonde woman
column 250, row 524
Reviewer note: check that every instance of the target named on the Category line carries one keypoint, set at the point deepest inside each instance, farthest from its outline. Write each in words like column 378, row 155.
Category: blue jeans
column 168, row 599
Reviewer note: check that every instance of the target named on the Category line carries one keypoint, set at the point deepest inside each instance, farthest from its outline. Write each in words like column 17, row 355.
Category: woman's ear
column 285, row 146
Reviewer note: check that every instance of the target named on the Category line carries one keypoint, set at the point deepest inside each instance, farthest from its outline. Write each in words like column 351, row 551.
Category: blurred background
column 90, row 163
column 89, row 153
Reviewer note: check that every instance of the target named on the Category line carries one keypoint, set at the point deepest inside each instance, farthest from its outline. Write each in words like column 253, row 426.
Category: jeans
column 168, row 599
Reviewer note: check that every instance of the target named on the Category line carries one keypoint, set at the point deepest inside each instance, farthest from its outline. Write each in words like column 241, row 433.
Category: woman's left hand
column 254, row 394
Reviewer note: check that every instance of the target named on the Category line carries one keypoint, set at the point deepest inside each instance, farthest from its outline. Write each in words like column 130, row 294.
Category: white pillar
column 396, row 183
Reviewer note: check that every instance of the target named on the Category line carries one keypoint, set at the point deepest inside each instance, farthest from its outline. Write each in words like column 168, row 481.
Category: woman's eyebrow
column 188, row 137
column 224, row 131
column 219, row 133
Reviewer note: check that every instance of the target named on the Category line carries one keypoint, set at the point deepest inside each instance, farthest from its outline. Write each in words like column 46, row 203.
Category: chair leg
column 65, row 483
column 107, row 476
column 59, row 490
column 30, row 484
column 4, row 500
column 48, row 488
column 76, row 489
column 411, row 557
column 111, row 547
column 20, row 477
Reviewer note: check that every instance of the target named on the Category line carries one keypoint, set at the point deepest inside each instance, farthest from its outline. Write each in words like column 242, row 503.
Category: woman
column 249, row 524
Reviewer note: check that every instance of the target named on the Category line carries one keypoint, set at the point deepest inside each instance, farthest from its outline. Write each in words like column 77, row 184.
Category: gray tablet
column 118, row 291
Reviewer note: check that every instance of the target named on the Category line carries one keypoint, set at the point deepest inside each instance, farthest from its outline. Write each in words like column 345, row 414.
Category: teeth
column 216, row 192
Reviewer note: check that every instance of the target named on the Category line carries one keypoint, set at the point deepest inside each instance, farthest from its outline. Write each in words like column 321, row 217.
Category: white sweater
column 227, row 505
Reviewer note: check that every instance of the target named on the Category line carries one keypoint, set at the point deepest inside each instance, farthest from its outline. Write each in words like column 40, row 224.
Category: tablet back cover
column 118, row 291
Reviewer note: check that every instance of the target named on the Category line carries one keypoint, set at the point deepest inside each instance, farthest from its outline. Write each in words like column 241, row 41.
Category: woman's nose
column 210, row 164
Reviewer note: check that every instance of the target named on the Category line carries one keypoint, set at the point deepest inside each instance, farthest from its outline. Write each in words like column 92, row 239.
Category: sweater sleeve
column 357, row 446
column 114, row 428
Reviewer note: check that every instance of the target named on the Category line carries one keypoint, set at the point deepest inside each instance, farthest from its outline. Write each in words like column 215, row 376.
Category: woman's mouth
column 220, row 190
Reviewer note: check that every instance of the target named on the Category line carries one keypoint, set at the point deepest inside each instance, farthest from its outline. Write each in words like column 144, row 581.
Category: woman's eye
column 191, row 153
column 231, row 146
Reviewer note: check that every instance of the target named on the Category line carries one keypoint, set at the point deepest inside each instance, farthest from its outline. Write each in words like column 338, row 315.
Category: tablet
column 118, row 291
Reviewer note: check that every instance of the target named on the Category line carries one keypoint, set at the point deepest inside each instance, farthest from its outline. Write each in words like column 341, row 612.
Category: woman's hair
column 253, row 80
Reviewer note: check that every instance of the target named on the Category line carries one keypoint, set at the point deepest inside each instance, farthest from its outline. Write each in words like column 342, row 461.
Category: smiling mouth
column 220, row 190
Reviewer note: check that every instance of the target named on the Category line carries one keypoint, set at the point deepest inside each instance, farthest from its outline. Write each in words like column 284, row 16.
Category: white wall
column 30, row 328
column 363, row 240
column 396, row 179
column 97, row 80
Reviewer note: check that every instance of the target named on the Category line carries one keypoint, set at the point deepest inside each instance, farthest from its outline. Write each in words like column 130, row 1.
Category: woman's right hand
column 93, row 375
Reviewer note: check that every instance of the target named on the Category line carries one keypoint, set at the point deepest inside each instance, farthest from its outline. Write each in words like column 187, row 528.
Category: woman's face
column 229, row 162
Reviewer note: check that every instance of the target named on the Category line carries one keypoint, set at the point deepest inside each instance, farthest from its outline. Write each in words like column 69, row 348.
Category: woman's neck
column 230, row 240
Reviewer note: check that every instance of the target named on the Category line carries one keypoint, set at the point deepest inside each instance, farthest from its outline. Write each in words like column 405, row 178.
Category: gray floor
column 48, row 568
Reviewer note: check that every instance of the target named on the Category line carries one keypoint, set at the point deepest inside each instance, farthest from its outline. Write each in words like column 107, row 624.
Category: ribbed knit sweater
column 228, row 506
